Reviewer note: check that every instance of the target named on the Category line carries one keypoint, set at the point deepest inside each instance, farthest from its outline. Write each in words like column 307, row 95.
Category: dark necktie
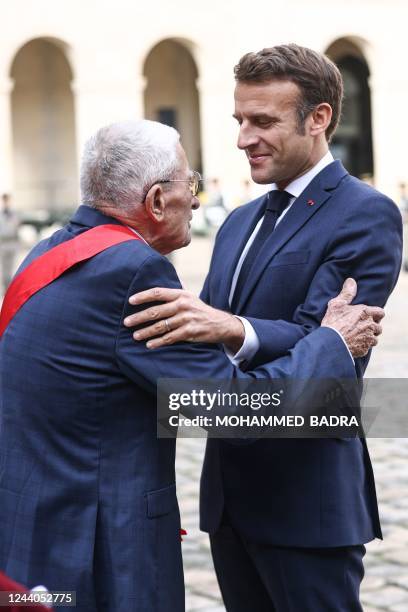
column 276, row 203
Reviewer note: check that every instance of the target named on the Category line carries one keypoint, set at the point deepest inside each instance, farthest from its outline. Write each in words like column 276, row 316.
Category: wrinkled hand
column 359, row 324
column 183, row 317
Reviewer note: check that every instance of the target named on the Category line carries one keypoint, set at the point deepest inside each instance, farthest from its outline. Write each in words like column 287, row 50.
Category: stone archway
column 352, row 142
column 43, row 128
column 171, row 94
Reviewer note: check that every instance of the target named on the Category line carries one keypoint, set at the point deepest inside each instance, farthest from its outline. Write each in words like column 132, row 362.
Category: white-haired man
column 87, row 491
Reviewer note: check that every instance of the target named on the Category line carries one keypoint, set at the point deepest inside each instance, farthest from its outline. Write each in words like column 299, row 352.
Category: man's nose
column 196, row 203
column 247, row 137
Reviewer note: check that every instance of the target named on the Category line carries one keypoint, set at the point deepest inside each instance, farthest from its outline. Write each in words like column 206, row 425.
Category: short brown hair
column 316, row 75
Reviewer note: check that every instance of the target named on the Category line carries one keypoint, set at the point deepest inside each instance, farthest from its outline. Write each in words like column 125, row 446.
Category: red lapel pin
column 311, row 202
column 183, row 532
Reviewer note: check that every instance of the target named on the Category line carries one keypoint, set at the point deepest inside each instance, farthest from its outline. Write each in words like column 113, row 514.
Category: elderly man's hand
column 183, row 317
column 359, row 324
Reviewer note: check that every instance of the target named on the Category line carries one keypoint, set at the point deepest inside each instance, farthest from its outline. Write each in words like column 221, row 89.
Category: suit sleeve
column 322, row 354
column 205, row 293
column 368, row 247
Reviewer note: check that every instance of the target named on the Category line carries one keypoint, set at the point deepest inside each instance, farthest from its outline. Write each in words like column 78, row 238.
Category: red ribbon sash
column 8, row 585
column 52, row 264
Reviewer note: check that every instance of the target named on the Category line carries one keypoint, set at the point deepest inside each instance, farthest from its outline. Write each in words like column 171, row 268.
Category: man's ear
column 320, row 119
column 155, row 203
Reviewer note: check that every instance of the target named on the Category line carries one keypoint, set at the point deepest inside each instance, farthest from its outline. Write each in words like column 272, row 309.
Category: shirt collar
column 137, row 234
column 300, row 183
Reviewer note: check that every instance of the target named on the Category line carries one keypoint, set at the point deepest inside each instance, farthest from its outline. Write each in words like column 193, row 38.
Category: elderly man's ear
column 155, row 203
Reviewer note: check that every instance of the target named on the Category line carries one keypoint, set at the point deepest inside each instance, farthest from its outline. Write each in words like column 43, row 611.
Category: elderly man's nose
column 196, row 203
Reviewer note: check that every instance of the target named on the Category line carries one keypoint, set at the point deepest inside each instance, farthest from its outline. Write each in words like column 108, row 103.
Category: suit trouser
column 265, row 578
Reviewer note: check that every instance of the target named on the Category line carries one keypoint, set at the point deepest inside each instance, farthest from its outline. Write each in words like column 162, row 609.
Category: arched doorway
column 352, row 142
column 43, row 126
column 171, row 94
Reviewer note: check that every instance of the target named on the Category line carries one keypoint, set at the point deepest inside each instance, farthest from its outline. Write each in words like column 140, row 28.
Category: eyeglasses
column 193, row 182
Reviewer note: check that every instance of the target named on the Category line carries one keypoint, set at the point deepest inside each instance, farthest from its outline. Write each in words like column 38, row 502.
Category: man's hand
column 183, row 317
column 359, row 325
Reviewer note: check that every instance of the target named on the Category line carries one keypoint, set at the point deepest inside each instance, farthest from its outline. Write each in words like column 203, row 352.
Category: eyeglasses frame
column 194, row 183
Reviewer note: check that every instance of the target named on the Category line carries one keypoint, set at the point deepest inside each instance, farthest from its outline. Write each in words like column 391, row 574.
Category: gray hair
column 123, row 160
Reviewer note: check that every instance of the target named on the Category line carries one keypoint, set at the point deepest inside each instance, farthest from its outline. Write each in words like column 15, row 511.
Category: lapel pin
column 311, row 202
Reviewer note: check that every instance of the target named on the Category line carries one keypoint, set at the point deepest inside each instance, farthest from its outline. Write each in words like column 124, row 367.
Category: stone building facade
column 70, row 66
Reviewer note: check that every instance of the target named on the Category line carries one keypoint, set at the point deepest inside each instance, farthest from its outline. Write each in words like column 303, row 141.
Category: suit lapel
column 233, row 247
column 316, row 194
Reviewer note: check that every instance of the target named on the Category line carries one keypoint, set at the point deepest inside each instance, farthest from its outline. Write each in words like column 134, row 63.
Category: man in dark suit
column 87, row 491
column 288, row 519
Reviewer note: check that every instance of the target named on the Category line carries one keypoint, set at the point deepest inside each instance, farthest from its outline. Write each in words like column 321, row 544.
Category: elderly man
column 291, row 535
column 87, row 492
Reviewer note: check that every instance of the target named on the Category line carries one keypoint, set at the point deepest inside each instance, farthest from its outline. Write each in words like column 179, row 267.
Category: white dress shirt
column 251, row 342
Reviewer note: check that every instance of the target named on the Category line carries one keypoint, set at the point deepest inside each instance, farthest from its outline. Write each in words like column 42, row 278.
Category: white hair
column 123, row 160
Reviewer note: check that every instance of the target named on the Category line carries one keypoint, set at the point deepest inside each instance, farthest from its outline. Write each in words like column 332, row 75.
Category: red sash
column 8, row 585
column 49, row 266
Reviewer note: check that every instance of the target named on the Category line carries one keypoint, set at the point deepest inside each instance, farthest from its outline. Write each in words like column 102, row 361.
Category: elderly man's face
column 269, row 131
column 179, row 206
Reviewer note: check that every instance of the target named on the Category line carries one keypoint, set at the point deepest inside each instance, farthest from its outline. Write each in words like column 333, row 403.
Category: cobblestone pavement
column 385, row 586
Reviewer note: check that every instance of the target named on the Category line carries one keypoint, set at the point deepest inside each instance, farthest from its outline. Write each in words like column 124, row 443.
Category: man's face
column 179, row 206
column 269, row 131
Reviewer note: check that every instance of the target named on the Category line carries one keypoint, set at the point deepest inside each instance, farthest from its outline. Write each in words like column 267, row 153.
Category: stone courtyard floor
column 385, row 586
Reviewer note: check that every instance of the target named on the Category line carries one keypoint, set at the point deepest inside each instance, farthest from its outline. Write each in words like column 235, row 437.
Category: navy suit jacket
column 301, row 492
column 87, row 491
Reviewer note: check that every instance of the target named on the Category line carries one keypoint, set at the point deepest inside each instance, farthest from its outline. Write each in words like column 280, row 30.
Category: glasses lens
column 195, row 183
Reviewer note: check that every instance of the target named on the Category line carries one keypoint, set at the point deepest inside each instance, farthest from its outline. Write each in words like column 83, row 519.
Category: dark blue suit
column 87, row 492
column 301, row 493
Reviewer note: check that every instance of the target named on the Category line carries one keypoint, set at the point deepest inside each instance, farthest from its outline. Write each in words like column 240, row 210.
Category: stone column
column 390, row 127
column 99, row 102
column 6, row 140
column 219, row 132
